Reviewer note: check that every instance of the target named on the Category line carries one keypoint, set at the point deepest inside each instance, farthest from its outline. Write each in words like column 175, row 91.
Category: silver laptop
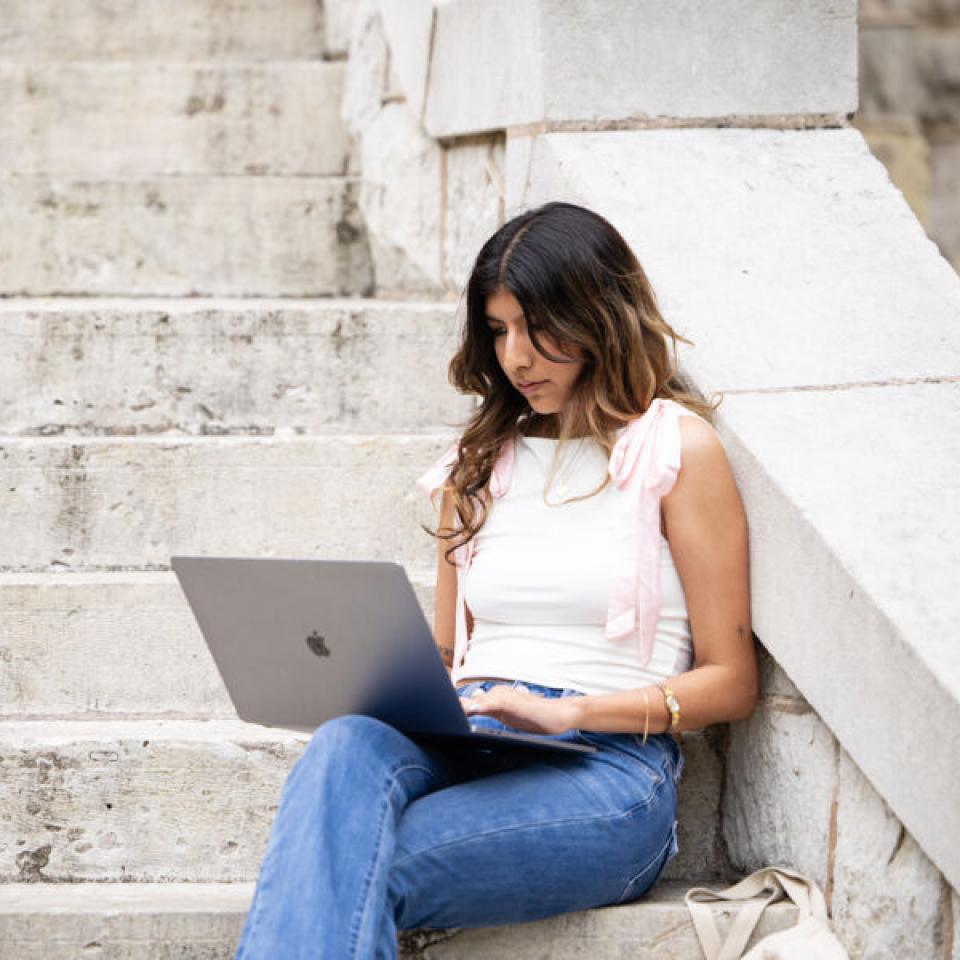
column 298, row 642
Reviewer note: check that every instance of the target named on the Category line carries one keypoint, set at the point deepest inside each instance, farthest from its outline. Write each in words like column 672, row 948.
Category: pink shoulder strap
column 645, row 461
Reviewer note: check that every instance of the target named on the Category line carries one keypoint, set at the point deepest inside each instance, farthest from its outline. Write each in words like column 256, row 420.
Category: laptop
column 298, row 642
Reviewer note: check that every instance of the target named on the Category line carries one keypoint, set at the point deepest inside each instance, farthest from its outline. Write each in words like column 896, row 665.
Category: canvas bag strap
column 776, row 882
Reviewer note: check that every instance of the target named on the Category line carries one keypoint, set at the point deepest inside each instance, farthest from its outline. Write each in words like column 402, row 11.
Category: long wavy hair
column 576, row 280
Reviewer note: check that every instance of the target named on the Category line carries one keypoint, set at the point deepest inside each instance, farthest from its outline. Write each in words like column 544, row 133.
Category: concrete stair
column 190, row 362
column 203, row 921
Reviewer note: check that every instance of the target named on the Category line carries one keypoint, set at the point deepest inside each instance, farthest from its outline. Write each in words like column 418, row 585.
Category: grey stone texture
column 160, row 800
column 184, row 236
column 135, row 119
column 239, row 367
column 501, row 64
column 779, row 790
column 130, row 503
column 473, row 204
column 41, row 30
column 204, row 920
column 401, row 193
column 886, row 893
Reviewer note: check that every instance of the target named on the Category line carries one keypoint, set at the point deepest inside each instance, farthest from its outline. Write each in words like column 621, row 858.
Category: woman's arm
column 445, row 603
column 707, row 530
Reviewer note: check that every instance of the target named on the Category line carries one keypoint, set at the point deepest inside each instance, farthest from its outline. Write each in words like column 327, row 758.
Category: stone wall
column 910, row 106
column 794, row 797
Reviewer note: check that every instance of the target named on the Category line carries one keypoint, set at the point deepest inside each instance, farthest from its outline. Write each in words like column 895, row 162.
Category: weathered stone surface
column 701, row 852
column 954, row 910
column 226, row 366
column 138, row 800
column 183, row 236
column 886, row 893
column 77, row 645
column 132, row 503
column 945, row 199
column 159, row 800
column 409, row 23
column 504, row 63
column 473, row 205
column 366, row 79
column 144, row 30
column 338, row 24
column 774, row 682
column 778, row 792
column 114, row 120
column 161, row 921
column 400, row 201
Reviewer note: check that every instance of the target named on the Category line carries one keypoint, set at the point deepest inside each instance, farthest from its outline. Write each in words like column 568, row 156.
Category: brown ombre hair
column 578, row 281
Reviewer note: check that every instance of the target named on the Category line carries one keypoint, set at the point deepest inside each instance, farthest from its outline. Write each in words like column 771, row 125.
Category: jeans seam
column 653, row 861
column 621, row 815
column 357, row 925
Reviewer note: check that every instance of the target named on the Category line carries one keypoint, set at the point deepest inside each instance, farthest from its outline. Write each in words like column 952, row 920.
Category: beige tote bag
column 810, row 939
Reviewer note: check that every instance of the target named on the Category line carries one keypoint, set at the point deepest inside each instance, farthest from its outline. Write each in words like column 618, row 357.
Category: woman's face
column 550, row 382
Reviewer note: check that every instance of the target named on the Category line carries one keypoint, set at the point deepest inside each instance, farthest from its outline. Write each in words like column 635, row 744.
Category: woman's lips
column 531, row 387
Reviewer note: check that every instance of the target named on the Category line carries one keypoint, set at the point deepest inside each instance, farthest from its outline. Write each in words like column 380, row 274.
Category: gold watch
column 673, row 705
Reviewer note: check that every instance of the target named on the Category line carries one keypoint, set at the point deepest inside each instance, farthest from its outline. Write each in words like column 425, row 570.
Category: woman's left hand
column 523, row 710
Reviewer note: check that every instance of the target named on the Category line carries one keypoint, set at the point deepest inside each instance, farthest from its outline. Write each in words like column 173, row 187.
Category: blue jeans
column 378, row 833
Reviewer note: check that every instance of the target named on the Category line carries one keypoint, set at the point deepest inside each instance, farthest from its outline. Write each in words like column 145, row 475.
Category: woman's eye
column 496, row 331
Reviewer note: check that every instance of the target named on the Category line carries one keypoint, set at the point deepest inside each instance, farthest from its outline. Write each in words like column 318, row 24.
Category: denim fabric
column 378, row 832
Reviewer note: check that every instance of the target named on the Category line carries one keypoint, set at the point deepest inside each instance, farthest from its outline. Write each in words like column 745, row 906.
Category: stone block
column 89, row 645
column 366, row 79
column 473, row 203
column 774, row 682
column 400, row 198
column 502, row 64
column 887, row 895
column 122, row 503
column 247, row 367
column 339, row 16
column 779, row 791
column 409, row 24
column 139, row 800
column 183, row 236
column 152, row 921
column 38, row 30
column 141, row 119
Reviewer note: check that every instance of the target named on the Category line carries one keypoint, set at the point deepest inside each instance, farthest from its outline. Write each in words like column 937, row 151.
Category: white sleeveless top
column 540, row 578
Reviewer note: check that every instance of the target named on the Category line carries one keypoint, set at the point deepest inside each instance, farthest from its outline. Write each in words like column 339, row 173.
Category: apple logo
column 318, row 645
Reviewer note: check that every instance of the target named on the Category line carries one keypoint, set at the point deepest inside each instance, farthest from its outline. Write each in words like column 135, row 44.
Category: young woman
column 592, row 586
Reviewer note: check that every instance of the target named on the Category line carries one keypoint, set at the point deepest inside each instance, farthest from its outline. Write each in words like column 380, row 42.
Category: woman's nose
column 518, row 351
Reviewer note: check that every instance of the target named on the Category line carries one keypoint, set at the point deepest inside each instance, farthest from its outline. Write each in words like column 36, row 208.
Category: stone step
column 41, row 30
column 134, row 119
column 132, row 502
column 170, row 800
column 115, row 367
column 102, row 645
column 157, row 921
column 183, row 236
